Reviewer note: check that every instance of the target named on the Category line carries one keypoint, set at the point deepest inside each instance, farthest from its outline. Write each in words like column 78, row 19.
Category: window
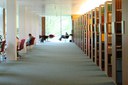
column 58, row 25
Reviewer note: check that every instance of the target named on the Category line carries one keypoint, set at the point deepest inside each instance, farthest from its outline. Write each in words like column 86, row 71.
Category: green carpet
column 53, row 64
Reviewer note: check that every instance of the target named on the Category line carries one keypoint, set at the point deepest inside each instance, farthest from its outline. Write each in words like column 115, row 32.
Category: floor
column 53, row 63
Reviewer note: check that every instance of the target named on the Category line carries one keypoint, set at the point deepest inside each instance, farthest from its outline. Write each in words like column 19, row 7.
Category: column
column 11, row 30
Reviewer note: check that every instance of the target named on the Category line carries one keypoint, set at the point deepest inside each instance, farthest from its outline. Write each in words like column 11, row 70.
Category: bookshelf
column 79, row 31
column 117, row 41
column 74, row 27
column 87, row 30
column 108, row 37
column 76, row 31
column 89, row 35
column 75, row 23
column 101, row 37
column 96, row 29
column 124, row 42
column 92, row 35
column 82, row 33
column 85, row 34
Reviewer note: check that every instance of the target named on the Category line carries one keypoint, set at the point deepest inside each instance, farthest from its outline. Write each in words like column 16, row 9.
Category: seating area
column 22, row 45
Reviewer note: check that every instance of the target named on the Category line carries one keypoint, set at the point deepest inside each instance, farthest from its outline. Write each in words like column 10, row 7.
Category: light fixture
column 90, row 4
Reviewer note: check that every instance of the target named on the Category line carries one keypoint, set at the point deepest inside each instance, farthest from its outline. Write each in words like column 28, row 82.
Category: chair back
column 66, row 37
column 51, row 36
column 22, row 44
column 32, row 41
column 2, row 46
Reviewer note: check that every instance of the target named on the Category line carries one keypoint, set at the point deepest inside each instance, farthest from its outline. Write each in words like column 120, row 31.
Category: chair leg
column 18, row 56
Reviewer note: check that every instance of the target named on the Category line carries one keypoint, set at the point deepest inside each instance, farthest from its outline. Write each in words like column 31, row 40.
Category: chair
column 43, row 38
column 51, row 36
column 20, row 47
column 2, row 46
column 32, row 41
column 2, row 51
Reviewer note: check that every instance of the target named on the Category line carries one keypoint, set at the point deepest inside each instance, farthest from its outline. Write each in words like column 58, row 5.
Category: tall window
column 58, row 25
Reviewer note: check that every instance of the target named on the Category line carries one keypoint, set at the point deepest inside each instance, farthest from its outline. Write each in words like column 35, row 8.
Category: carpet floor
column 53, row 63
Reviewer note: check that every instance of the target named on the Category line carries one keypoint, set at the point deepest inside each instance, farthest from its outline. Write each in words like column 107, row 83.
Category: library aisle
column 53, row 63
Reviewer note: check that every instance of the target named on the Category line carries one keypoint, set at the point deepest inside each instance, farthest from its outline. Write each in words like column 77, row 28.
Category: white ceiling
column 50, row 7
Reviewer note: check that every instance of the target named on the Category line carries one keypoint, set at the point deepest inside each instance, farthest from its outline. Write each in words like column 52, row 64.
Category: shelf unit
column 117, row 41
column 92, row 35
column 101, row 37
column 73, row 24
column 105, row 32
column 76, row 31
column 89, row 35
column 125, row 42
column 85, row 34
column 96, row 35
column 79, row 32
column 82, row 32
column 108, row 37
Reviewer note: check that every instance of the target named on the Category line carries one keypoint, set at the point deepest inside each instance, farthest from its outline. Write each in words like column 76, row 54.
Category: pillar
column 11, row 30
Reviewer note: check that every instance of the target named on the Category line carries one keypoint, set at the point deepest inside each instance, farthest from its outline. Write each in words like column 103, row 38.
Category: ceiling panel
column 50, row 7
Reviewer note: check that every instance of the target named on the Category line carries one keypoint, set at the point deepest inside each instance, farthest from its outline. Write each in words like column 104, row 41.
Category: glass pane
column 58, row 25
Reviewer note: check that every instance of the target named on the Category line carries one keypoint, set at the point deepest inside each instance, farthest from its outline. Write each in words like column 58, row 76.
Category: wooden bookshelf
column 85, row 34
column 101, row 37
column 108, row 37
column 124, row 42
column 96, row 29
column 81, row 32
column 76, row 31
column 74, row 24
column 87, row 30
column 92, row 35
column 89, row 34
column 117, row 41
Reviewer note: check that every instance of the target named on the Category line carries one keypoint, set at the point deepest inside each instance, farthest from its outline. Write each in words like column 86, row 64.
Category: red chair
column 30, row 45
column 20, row 47
column 2, row 46
column 2, row 50
column 51, row 36
column 31, row 42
